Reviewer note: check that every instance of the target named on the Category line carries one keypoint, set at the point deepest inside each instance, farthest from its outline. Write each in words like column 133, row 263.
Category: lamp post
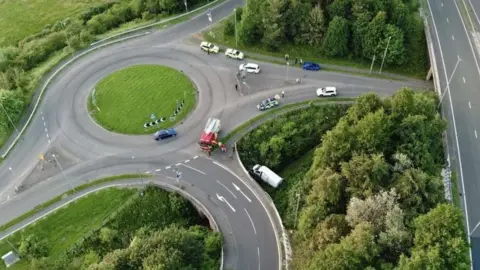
column 296, row 209
column 236, row 39
column 371, row 67
column 186, row 6
column 286, row 73
column 8, row 116
column 385, row 54
column 61, row 169
column 448, row 82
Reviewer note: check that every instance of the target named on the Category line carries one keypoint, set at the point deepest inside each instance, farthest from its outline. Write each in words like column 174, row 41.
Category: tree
column 365, row 175
column 312, row 28
column 400, row 15
column 439, row 241
column 274, row 26
column 359, row 30
column 340, row 8
column 365, row 104
column 329, row 231
column 336, row 39
column 373, row 133
column 396, row 53
column 250, row 30
column 108, row 236
column 374, row 35
column 13, row 104
column 32, row 247
column 356, row 251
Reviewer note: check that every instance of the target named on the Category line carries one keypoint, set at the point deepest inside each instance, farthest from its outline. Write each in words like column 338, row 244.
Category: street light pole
column 63, row 173
column 8, row 116
column 286, row 75
column 371, row 67
column 236, row 39
column 296, row 209
column 448, row 82
column 385, row 54
column 186, row 6
column 476, row 226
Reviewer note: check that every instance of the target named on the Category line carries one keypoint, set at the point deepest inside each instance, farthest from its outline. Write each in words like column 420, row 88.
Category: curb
column 284, row 237
column 157, row 183
column 88, row 50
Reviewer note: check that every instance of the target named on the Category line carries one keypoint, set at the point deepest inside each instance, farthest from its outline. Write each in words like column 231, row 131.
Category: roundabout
column 63, row 125
column 124, row 101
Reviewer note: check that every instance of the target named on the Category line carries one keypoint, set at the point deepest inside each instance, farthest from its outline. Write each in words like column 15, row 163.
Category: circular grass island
column 129, row 98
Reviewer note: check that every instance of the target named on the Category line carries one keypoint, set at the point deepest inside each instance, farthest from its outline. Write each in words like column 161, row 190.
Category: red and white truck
column 209, row 136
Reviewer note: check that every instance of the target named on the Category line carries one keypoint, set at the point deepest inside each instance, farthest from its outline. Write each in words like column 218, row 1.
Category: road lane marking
column 233, row 194
column 44, row 124
column 258, row 253
column 191, row 168
column 453, row 38
column 469, row 105
column 221, row 198
column 46, row 131
column 188, row 160
column 476, row 136
column 464, row 81
column 178, row 164
column 147, row 172
column 448, row 20
column 157, row 170
column 251, row 220
column 239, row 190
column 195, row 157
column 442, row 4
column 453, row 115
column 168, row 167
column 48, row 137
column 48, row 141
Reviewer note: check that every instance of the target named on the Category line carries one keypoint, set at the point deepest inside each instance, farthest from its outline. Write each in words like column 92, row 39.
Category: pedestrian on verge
column 283, row 93
column 236, row 87
column 301, row 61
column 233, row 149
column 296, row 60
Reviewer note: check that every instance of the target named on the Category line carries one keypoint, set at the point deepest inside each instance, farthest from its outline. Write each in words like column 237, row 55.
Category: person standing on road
column 283, row 93
column 236, row 87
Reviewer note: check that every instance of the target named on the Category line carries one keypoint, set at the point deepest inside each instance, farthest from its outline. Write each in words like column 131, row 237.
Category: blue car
column 164, row 133
column 311, row 66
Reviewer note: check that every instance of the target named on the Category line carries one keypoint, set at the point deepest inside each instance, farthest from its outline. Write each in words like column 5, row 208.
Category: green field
column 126, row 99
column 69, row 224
column 21, row 18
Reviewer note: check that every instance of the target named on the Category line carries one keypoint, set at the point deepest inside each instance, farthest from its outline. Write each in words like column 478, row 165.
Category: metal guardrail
column 91, row 49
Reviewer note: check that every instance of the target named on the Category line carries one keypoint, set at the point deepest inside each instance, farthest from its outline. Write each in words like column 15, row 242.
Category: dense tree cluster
column 373, row 196
column 156, row 230
column 18, row 63
column 359, row 29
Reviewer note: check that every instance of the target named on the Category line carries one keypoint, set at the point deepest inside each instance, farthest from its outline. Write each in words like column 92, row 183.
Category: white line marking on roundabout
column 191, row 168
column 251, row 220
column 227, row 189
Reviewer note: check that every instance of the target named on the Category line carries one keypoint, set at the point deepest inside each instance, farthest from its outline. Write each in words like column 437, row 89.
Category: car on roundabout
column 311, row 66
column 235, row 54
column 164, row 134
column 329, row 91
column 209, row 47
column 267, row 104
column 250, row 68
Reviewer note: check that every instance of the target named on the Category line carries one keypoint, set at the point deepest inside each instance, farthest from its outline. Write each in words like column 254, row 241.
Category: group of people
column 297, row 60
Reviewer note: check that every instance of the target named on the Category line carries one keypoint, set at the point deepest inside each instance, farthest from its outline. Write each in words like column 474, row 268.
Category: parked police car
column 267, row 104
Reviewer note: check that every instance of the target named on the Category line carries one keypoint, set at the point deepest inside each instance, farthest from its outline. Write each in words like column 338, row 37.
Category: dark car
column 164, row 133
column 311, row 66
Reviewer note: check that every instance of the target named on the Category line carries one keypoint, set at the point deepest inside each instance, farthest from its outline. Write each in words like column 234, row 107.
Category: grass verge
column 285, row 108
column 42, row 206
column 67, row 225
column 217, row 36
column 126, row 99
column 455, row 192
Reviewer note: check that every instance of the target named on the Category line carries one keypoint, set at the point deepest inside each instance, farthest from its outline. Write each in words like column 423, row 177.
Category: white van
column 267, row 175
column 329, row 91
column 249, row 67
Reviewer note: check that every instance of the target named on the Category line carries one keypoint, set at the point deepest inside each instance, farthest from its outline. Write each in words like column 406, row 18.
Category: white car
column 232, row 53
column 209, row 47
column 329, row 91
column 249, row 67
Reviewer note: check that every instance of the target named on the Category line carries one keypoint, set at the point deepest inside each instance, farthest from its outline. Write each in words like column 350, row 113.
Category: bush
column 38, row 50
column 229, row 27
column 88, row 14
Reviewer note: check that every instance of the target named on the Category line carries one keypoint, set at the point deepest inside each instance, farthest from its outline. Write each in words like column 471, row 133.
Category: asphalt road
column 63, row 125
column 461, row 105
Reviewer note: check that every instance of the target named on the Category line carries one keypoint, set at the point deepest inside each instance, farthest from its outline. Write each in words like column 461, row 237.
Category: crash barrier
column 163, row 119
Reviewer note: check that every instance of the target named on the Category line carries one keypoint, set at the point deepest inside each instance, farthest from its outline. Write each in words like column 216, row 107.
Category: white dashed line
column 469, row 105
column 453, row 38
column 464, row 81
column 258, row 253
column 168, row 167
column 476, row 134
column 178, row 164
column 191, row 168
column 233, row 194
column 48, row 141
column 441, row 4
column 188, row 160
column 46, row 130
column 195, row 157
column 48, row 137
column 448, row 21
column 251, row 220
column 44, row 124
column 147, row 172
column 157, row 170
